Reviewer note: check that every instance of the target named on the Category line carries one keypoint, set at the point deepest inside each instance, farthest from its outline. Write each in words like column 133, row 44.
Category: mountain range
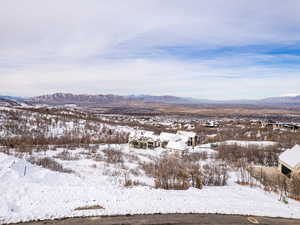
column 116, row 100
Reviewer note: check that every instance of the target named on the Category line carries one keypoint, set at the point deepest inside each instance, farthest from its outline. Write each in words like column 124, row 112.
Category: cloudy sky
column 221, row 49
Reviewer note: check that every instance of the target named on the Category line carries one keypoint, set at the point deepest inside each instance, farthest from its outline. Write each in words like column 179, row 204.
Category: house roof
column 164, row 136
column 175, row 141
column 291, row 156
column 177, row 145
column 142, row 134
column 186, row 133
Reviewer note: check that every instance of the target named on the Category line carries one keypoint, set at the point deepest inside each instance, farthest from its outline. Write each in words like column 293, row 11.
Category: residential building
column 289, row 161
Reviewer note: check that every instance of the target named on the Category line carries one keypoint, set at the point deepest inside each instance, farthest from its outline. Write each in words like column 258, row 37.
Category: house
column 177, row 145
column 289, row 161
column 180, row 141
column 211, row 124
column 189, row 137
column 278, row 125
column 144, row 139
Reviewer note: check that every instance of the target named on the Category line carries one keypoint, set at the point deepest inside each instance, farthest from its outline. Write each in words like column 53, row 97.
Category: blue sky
column 222, row 49
column 194, row 52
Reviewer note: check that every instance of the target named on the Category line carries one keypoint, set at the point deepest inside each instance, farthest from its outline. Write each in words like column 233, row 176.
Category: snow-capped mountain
column 67, row 98
column 116, row 100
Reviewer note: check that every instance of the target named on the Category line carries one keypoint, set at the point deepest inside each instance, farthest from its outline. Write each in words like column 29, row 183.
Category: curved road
column 169, row 219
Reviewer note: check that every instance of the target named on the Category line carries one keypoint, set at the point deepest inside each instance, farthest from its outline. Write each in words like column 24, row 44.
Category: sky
column 221, row 49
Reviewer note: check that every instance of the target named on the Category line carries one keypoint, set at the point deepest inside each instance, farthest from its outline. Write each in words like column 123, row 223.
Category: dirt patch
column 92, row 207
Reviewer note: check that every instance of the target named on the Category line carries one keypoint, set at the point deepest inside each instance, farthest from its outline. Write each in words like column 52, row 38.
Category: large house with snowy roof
column 180, row 141
column 289, row 161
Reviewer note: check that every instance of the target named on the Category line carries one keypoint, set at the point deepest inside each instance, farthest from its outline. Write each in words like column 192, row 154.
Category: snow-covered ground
column 242, row 143
column 17, row 122
column 248, row 143
column 44, row 194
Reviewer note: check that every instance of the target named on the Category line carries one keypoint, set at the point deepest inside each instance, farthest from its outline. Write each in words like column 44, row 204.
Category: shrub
column 135, row 171
column 195, row 156
column 294, row 187
column 149, row 168
column 129, row 182
column 172, row 172
column 113, row 156
column 215, row 174
column 49, row 163
column 266, row 156
column 66, row 155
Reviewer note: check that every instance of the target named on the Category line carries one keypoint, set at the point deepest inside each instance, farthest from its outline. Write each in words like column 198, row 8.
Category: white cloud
column 197, row 79
column 65, row 45
column 290, row 95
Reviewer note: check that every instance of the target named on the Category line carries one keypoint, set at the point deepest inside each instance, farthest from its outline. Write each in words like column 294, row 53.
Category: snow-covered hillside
column 29, row 192
column 61, row 162
column 65, row 126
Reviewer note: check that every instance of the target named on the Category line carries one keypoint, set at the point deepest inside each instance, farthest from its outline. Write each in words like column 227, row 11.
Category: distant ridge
column 110, row 99
column 18, row 99
column 286, row 100
column 118, row 100
column 8, row 102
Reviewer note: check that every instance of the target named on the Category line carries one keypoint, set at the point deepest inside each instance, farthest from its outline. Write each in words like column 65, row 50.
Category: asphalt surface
column 169, row 219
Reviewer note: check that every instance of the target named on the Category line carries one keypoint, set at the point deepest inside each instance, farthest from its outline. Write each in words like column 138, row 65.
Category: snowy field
column 242, row 143
column 38, row 193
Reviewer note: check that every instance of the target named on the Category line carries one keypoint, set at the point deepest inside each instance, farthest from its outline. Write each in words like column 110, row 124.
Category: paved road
column 169, row 219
